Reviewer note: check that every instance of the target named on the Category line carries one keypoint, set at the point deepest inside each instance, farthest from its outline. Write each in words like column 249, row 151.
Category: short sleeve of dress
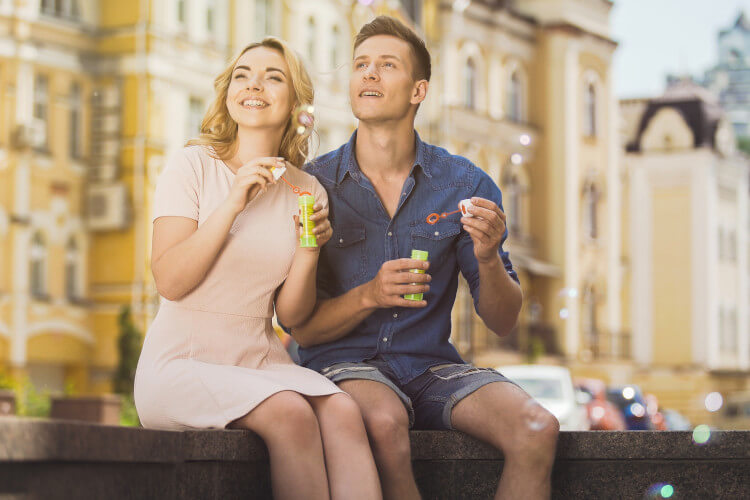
column 319, row 192
column 177, row 188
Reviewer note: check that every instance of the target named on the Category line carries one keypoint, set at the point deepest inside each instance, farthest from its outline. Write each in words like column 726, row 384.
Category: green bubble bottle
column 417, row 255
column 306, row 238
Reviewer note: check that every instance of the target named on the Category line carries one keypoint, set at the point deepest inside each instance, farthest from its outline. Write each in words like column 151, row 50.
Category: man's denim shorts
column 429, row 399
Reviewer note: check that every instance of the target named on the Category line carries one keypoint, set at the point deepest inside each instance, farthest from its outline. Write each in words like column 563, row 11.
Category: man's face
column 382, row 84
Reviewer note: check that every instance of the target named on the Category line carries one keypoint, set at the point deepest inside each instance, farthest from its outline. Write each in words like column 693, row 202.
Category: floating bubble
column 525, row 139
column 564, row 313
column 303, row 119
column 365, row 2
column 628, row 393
column 516, row 159
column 660, row 490
column 534, row 416
column 714, row 401
column 701, row 434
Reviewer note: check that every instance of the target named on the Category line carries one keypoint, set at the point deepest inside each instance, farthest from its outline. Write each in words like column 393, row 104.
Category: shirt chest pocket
column 437, row 239
column 347, row 255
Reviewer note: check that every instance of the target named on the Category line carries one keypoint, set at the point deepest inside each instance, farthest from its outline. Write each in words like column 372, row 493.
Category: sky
column 659, row 37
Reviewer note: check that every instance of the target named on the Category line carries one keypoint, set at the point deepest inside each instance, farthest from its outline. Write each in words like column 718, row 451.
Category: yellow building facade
column 95, row 96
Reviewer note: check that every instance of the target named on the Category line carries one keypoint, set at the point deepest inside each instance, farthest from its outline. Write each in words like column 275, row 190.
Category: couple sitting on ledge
column 226, row 254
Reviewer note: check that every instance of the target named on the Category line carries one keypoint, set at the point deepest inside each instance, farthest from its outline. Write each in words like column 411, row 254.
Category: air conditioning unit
column 30, row 135
column 108, row 207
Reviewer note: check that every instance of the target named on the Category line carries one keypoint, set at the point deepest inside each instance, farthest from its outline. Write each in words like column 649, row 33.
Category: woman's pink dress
column 212, row 356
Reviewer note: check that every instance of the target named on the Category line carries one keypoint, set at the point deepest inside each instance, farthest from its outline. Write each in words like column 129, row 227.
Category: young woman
column 225, row 252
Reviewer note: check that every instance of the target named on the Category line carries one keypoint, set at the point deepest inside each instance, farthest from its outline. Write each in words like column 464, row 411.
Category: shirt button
column 395, row 315
column 385, row 339
column 390, row 233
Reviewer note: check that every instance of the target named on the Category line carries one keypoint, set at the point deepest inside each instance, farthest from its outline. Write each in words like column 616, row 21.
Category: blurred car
column 676, row 421
column 603, row 414
column 735, row 412
column 552, row 387
column 629, row 399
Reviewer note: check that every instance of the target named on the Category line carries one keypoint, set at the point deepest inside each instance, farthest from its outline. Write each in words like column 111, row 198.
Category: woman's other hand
column 251, row 178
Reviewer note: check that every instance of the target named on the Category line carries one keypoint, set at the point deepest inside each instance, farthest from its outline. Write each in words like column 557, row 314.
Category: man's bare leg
column 505, row 416
column 387, row 424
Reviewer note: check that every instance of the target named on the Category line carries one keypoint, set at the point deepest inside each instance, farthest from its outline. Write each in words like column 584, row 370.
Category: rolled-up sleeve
column 467, row 262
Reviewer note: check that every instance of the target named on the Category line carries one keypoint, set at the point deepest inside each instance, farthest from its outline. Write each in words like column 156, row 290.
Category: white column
column 743, row 271
column 571, row 135
column 711, row 265
column 614, row 216
column 641, row 263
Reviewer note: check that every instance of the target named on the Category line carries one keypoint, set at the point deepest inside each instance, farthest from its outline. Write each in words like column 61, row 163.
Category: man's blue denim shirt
column 364, row 237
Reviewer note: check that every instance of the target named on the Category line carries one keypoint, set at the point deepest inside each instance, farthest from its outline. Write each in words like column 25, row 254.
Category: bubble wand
column 463, row 207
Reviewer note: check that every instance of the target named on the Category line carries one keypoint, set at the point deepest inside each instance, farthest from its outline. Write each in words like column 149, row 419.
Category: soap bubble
column 701, row 434
column 660, row 490
column 714, row 401
column 534, row 416
column 303, row 119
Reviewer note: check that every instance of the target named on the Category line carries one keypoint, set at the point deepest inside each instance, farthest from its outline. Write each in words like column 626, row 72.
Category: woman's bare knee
column 284, row 415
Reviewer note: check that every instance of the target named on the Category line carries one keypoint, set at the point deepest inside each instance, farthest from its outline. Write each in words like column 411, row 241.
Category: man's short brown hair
column 385, row 25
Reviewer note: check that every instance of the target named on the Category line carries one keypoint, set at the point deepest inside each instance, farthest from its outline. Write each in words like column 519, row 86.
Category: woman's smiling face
column 260, row 93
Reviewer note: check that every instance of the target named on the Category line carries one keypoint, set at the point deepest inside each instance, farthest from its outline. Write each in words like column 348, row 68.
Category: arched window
column 515, row 98
column 335, row 40
column 71, row 270
column 590, row 201
column 310, row 39
column 590, row 328
column 470, row 84
column 514, row 204
column 589, row 120
column 262, row 18
column 74, row 132
column 38, row 256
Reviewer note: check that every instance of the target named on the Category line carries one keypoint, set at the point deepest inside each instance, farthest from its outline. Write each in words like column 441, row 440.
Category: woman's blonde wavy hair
column 219, row 130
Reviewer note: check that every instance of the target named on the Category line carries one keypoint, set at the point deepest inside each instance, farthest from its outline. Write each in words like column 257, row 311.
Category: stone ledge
column 66, row 459
column 59, row 440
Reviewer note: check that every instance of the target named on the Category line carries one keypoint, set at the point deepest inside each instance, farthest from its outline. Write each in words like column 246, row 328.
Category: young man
column 391, row 354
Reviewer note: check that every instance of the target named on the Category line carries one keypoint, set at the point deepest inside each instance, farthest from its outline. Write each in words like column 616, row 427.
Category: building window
column 195, row 118
column 68, row 9
column 414, row 9
column 470, row 84
column 515, row 98
column 732, row 246
column 514, row 204
column 38, row 256
column 71, row 270
column 310, row 39
column 335, row 40
column 590, row 200
column 74, row 139
column 41, row 112
column 181, row 12
column 590, row 320
column 589, row 123
column 210, row 17
column 262, row 18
